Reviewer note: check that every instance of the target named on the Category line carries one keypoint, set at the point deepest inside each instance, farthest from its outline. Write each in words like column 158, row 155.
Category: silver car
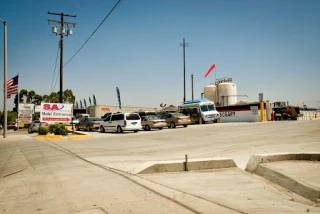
column 34, row 127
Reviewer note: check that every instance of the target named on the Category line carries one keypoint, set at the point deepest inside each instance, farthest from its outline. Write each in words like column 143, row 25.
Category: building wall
column 309, row 115
column 100, row 110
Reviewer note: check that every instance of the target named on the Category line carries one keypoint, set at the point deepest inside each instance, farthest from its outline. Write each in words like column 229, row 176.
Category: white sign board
column 254, row 109
column 56, row 112
column 25, row 113
column 37, row 108
column 260, row 97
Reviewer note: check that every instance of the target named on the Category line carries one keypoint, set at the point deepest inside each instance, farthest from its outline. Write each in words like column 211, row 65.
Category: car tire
column 77, row 128
column 185, row 126
column 119, row 129
column 102, row 129
column 88, row 128
column 160, row 128
column 147, row 128
column 135, row 131
column 172, row 125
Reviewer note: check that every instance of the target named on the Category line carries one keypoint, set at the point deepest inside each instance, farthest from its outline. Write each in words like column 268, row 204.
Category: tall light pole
column 62, row 33
column 5, row 117
column 192, row 77
column 184, row 44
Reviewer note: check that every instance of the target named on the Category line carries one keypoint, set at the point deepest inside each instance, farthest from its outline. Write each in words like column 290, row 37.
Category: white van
column 200, row 111
column 120, row 122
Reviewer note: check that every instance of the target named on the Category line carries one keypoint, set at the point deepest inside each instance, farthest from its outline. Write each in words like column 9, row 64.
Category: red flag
column 209, row 71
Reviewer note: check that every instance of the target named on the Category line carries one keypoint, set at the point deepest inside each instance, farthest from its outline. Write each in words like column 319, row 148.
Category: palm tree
column 30, row 96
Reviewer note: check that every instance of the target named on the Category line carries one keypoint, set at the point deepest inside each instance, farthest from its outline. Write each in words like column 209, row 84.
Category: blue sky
column 265, row 46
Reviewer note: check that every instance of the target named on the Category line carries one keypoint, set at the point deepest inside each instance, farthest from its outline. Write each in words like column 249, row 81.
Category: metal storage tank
column 227, row 93
column 210, row 92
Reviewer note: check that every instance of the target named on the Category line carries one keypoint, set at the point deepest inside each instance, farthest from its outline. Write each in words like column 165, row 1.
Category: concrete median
column 192, row 165
column 292, row 171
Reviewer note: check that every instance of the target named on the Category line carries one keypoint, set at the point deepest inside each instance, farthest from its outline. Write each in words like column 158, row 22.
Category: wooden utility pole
column 62, row 32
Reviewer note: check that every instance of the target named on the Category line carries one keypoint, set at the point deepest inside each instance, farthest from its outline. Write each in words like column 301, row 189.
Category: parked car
column 13, row 126
column 152, row 122
column 74, row 120
column 34, row 127
column 176, row 119
column 146, row 113
column 120, row 122
column 89, row 123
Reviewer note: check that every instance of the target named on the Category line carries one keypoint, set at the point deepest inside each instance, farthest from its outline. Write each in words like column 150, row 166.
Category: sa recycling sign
column 55, row 112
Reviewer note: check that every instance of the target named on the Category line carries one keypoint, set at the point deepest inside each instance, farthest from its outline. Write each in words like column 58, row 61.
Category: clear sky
column 264, row 46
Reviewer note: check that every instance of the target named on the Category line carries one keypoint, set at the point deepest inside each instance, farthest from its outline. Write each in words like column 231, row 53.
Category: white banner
column 37, row 108
column 25, row 113
column 55, row 112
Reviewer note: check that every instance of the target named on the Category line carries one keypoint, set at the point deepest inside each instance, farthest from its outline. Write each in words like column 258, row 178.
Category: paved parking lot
column 98, row 174
column 131, row 151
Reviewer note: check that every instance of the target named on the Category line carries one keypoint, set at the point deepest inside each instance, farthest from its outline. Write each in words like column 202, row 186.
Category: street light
column 5, row 80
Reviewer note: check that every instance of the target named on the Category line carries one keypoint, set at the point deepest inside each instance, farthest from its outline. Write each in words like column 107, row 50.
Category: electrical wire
column 88, row 39
column 55, row 67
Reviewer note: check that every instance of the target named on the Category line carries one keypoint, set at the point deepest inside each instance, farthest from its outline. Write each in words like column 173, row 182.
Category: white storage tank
column 210, row 92
column 227, row 92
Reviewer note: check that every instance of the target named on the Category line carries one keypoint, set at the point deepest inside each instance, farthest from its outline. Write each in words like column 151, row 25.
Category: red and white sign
column 55, row 112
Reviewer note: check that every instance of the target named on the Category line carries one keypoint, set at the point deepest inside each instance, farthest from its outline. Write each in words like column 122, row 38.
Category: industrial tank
column 210, row 92
column 227, row 92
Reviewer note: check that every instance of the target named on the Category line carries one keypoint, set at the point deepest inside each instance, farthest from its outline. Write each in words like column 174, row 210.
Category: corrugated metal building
column 100, row 110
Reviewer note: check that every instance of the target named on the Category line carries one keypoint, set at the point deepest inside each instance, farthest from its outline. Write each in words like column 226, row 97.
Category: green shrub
column 58, row 129
column 43, row 130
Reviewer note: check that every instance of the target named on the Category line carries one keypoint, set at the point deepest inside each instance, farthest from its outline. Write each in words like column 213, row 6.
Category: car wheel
column 135, row 131
column 185, row 126
column 172, row 125
column 160, row 128
column 29, row 131
column 77, row 128
column 88, row 128
column 147, row 128
column 102, row 129
column 119, row 129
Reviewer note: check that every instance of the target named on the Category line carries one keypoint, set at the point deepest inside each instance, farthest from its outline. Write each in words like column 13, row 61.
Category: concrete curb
column 255, row 160
column 195, row 164
column 255, row 165
column 55, row 137
column 81, row 135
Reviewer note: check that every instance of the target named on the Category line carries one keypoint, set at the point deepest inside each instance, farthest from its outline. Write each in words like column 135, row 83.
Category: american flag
column 13, row 86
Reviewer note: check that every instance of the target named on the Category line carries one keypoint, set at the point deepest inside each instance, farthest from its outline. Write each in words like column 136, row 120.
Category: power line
column 92, row 33
column 55, row 67
column 89, row 38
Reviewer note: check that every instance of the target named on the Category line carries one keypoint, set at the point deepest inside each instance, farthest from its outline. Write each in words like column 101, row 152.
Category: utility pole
column 5, row 87
column 62, row 33
column 184, row 44
column 192, row 77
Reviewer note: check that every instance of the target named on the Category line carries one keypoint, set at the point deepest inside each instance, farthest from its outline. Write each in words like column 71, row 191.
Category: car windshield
column 204, row 108
column 211, row 107
column 132, row 117
column 95, row 119
column 153, row 117
column 178, row 114
column 150, row 113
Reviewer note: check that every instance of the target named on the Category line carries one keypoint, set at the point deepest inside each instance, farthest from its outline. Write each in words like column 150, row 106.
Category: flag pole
column 215, row 74
column 18, row 101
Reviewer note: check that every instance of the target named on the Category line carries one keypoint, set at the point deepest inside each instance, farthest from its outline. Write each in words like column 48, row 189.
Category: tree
column 30, row 96
column 11, row 115
column 68, row 96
